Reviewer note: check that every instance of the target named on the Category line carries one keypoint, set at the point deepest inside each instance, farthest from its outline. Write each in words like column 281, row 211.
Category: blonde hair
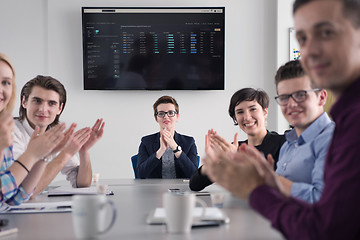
column 11, row 102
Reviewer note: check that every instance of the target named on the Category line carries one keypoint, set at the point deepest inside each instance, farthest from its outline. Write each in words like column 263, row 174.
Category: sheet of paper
column 39, row 207
column 157, row 216
column 8, row 231
column 68, row 191
column 210, row 213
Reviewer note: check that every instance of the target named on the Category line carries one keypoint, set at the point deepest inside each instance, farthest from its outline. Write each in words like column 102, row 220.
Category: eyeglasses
column 298, row 97
column 170, row 113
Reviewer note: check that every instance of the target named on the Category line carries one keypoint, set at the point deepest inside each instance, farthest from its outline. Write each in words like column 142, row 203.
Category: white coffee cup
column 179, row 208
column 90, row 213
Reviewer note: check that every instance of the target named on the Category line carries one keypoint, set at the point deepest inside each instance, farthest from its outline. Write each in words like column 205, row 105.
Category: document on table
column 68, row 191
column 157, row 216
column 38, row 207
column 7, row 231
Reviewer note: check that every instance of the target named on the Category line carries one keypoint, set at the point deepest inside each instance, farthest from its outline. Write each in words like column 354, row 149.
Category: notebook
column 67, row 191
column 157, row 216
column 38, row 207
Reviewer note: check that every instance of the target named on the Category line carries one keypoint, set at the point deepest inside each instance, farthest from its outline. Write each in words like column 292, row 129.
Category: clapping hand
column 234, row 171
column 168, row 138
column 77, row 141
column 214, row 142
column 68, row 134
column 221, row 142
column 96, row 133
column 264, row 167
column 163, row 144
column 41, row 145
column 6, row 128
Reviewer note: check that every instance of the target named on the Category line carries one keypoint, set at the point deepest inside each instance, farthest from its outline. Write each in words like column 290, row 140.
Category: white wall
column 44, row 37
column 284, row 22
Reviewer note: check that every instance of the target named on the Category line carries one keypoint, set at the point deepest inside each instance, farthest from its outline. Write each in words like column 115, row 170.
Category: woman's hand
column 162, row 148
column 6, row 128
column 216, row 139
column 207, row 139
column 207, row 150
column 215, row 143
column 168, row 138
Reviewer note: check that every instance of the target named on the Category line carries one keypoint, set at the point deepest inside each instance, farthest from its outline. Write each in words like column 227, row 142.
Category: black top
column 271, row 144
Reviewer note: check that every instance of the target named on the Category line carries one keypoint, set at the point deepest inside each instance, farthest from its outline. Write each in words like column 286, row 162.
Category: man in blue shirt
column 302, row 156
column 329, row 37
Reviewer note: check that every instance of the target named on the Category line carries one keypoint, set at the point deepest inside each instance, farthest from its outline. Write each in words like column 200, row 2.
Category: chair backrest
column 134, row 164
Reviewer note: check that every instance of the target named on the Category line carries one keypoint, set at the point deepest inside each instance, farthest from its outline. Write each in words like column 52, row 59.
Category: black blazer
column 148, row 166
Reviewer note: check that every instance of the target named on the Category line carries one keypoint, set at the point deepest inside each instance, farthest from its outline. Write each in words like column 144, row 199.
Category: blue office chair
column 134, row 164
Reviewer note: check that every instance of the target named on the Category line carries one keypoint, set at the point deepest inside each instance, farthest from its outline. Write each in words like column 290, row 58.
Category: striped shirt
column 10, row 193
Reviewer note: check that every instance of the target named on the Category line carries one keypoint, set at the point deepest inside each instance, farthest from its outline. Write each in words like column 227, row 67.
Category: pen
column 3, row 222
column 25, row 209
column 61, row 207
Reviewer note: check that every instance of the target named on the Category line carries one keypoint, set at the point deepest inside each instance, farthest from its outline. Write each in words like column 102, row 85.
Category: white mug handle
column 111, row 203
column 204, row 206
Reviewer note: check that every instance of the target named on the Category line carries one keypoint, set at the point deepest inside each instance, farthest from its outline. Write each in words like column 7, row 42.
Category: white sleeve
column 71, row 169
column 21, row 140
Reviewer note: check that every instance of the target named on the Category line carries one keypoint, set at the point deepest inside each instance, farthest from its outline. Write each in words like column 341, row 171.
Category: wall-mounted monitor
column 153, row 48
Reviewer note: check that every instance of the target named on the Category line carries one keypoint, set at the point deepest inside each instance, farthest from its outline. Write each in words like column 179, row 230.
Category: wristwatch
column 45, row 159
column 177, row 149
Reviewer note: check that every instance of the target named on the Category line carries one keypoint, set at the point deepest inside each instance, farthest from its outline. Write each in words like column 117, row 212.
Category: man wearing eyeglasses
column 302, row 156
column 328, row 32
column 167, row 154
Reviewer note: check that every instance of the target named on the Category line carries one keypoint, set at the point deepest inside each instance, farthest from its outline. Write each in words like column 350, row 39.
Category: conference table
column 134, row 199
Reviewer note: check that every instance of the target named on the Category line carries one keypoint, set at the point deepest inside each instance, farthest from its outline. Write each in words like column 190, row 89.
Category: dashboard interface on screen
column 153, row 48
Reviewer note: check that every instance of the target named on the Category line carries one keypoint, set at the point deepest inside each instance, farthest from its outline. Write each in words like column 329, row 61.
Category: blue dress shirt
column 302, row 159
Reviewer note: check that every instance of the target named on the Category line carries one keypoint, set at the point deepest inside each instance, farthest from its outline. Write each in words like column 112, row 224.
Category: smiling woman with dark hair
column 167, row 154
column 249, row 109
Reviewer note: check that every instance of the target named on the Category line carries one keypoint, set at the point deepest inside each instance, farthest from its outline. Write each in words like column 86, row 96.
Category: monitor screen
column 153, row 48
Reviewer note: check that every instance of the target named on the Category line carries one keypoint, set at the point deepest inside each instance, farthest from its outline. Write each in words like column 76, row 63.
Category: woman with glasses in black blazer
column 166, row 154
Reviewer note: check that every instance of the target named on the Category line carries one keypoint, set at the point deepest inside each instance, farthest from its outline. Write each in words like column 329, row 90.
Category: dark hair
column 290, row 70
column 351, row 9
column 165, row 99
column 247, row 94
column 47, row 83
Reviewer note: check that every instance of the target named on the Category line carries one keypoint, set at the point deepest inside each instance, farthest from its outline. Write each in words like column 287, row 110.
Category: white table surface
column 134, row 199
